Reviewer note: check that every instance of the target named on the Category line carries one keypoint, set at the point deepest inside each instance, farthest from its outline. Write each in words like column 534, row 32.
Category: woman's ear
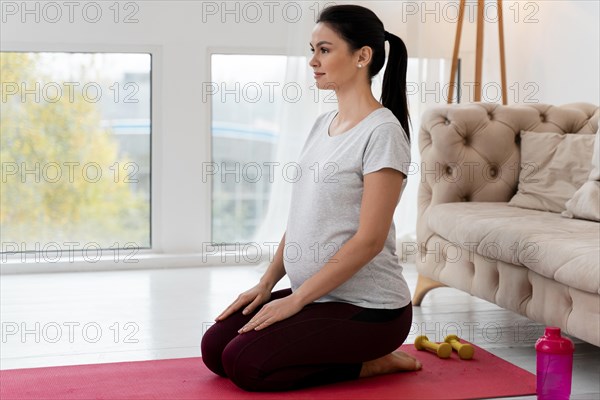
column 365, row 54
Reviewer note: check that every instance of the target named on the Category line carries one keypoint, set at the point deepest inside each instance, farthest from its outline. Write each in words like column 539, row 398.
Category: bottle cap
column 553, row 342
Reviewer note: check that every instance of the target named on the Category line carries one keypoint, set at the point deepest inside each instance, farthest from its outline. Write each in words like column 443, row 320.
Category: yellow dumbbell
column 443, row 350
column 465, row 351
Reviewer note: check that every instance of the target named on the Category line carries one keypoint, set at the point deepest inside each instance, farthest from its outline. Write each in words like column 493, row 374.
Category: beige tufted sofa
column 536, row 263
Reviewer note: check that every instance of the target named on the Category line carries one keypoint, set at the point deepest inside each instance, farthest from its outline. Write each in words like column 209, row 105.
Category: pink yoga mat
column 187, row 378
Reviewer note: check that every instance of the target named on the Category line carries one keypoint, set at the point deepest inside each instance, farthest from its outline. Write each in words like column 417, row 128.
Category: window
column 75, row 133
column 246, row 102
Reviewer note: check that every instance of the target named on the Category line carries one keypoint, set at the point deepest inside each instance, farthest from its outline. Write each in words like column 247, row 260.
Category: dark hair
column 359, row 27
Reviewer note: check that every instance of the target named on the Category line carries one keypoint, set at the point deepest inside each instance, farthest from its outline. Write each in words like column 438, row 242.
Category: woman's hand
column 276, row 310
column 252, row 298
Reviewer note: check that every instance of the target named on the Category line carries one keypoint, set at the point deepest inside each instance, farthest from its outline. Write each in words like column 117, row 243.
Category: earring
column 359, row 65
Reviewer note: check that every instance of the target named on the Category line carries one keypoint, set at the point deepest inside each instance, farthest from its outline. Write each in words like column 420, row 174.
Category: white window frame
column 243, row 51
column 12, row 263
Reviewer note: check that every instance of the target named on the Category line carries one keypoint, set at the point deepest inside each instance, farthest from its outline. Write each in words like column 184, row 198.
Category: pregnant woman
column 348, row 309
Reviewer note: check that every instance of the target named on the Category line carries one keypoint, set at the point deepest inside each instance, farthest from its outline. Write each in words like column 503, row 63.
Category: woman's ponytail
column 393, row 92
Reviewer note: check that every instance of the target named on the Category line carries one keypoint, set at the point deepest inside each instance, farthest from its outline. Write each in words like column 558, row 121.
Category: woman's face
column 333, row 64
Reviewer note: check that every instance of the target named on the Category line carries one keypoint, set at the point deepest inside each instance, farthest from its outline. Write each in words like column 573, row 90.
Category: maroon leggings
column 323, row 343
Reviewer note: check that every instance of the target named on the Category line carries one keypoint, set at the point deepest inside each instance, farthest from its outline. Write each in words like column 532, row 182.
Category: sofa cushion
column 553, row 167
column 566, row 250
column 585, row 203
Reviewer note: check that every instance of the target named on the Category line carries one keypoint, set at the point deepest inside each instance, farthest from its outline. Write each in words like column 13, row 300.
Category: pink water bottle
column 554, row 365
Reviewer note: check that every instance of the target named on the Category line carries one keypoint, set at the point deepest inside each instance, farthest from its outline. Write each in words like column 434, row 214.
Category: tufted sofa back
column 470, row 152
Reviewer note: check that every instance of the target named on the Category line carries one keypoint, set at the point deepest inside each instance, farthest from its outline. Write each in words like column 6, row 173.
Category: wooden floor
column 100, row 317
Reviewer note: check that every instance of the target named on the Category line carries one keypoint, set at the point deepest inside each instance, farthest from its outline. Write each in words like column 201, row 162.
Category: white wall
column 559, row 53
column 552, row 45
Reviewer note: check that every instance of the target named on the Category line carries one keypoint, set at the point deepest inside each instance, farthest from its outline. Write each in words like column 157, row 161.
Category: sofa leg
column 424, row 285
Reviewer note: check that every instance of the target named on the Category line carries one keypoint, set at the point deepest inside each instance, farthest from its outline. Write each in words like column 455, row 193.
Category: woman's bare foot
column 394, row 362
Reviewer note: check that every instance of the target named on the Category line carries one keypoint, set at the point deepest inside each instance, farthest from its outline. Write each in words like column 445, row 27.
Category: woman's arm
column 276, row 270
column 380, row 196
column 261, row 292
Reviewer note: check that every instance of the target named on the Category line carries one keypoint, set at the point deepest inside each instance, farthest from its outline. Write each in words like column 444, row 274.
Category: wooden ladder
column 478, row 51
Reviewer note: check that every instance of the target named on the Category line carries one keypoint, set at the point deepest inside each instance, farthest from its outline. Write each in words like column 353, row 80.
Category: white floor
column 101, row 317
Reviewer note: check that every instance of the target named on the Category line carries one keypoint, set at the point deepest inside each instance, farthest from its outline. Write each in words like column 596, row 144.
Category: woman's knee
column 211, row 348
column 242, row 367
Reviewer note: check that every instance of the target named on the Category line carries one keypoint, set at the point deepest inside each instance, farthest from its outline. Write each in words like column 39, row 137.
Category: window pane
column 246, row 101
column 75, row 133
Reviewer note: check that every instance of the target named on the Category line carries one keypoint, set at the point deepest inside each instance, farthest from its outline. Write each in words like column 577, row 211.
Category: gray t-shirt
column 325, row 207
